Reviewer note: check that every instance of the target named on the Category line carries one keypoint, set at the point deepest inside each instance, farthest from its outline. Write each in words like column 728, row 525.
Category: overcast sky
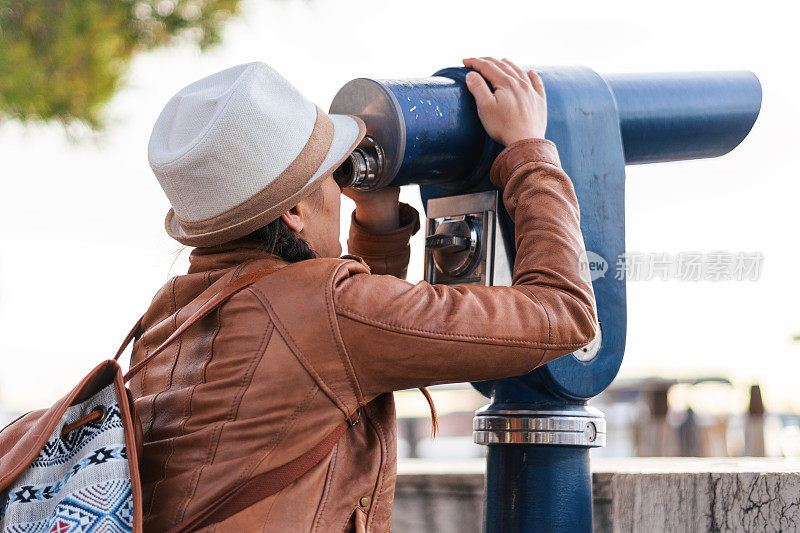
column 84, row 250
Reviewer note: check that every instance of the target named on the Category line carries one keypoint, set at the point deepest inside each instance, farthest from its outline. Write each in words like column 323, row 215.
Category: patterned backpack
column 75, row 466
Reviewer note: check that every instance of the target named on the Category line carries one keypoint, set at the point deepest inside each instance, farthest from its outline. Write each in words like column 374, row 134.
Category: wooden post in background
column 754, row 428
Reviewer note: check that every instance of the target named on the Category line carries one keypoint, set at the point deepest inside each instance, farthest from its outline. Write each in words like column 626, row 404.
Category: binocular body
column 427, row 131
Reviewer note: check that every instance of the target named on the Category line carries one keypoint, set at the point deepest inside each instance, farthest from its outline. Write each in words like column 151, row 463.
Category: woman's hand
column 376, row 210
column 517, row 109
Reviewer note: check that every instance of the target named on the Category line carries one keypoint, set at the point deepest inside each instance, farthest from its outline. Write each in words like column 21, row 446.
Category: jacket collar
column 230, row 254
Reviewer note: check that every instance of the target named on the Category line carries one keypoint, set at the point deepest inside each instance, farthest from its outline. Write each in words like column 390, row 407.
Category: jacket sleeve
column 398, row 335
column 385, row 252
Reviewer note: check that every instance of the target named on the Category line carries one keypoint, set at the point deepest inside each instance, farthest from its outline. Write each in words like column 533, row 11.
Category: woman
column 247, row 164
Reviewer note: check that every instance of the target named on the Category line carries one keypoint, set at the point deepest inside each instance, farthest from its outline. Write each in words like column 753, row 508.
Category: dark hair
column 279, row 239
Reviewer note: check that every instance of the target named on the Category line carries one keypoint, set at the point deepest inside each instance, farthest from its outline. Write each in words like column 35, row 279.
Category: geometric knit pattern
column 80, row 483
column 47, row 491
column 104, row 507
column 59, row 451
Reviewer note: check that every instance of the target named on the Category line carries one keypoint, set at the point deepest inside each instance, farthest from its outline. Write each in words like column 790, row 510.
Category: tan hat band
column 284, row 186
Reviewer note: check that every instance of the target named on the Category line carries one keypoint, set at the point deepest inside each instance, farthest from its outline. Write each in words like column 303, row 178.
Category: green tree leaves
column 63, row 60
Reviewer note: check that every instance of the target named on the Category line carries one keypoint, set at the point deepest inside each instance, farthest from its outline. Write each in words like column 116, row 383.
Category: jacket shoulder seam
column 341, row 349
column 287, row 337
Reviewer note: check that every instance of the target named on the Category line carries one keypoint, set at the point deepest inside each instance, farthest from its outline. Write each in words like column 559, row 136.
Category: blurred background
column 710, row 367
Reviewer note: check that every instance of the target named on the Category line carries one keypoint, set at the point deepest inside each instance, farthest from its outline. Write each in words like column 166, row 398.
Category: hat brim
column 349, row 130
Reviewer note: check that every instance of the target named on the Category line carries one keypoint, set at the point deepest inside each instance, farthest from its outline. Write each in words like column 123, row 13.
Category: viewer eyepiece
column 362, row 169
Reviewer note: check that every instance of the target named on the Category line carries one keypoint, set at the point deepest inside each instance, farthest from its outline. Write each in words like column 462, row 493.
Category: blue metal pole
column 538, row 476
column 538, row 488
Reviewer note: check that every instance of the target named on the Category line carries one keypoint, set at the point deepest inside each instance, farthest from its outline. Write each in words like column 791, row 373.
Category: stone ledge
column 638, row 494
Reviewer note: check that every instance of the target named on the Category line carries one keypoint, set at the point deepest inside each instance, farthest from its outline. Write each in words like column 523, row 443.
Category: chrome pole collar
column 585, row 427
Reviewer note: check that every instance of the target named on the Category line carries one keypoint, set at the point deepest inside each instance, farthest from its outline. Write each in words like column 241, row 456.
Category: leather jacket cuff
column 519, row 153
column 365, row 242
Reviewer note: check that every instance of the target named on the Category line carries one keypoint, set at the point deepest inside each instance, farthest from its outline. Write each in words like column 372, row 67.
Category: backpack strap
column 217, row 299
column 134, row 333
column 265, row 484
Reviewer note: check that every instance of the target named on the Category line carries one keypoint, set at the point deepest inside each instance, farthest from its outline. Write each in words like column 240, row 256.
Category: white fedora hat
column 234, row 150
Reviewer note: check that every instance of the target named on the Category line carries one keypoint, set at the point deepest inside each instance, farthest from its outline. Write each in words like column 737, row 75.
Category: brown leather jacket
column 281, row 364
